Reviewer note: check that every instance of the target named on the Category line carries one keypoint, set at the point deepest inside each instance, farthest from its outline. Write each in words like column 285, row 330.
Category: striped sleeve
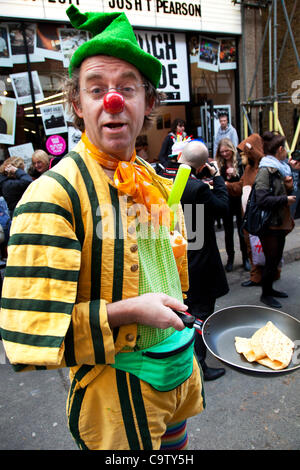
column 41, row 319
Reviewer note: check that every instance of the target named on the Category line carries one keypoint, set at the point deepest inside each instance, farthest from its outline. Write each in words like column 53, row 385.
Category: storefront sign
column 56, row 145
column 198, row 15
column 170, row 49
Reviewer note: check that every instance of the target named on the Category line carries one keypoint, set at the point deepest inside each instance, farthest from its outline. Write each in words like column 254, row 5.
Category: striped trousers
column 117, row 411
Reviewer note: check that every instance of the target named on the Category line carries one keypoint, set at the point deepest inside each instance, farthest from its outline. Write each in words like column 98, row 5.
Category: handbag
column 256, row 219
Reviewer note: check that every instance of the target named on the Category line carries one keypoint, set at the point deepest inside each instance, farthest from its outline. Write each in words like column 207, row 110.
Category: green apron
column 164, row 358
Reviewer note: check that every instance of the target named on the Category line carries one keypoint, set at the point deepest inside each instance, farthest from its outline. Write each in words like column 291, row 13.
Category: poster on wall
column 18, row 51
column 24, row 151
column 48, row 41
column 74, row 136
column 5, row 50
column 209, row 51
column 8, row 108
column 227, row 54
column 170, row 49
column 21, row 87
column 70, row 39
column 53, row 119
column 194, row 49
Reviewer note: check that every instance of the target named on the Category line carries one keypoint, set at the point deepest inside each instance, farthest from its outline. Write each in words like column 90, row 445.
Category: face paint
column 113, row 102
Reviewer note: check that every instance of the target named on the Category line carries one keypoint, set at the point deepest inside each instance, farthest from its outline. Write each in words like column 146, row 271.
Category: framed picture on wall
column 21, row 87
column 70, row 39
column 48, row 42
column 18, row 51
column 209, row 51
column 227, row 54
column 194, row 48
column 54, row 119
column 8, row 108
column 74, row 136
column 5, row 50
column 24, row 151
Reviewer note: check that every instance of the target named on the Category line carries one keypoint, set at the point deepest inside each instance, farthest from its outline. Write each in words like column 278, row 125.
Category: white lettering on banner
column 168, row 47
column 160, row 6
column 207, row 15
column 164, row 6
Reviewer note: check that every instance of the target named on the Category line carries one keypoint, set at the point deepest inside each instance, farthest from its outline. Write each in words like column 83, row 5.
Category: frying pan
column 220, row 329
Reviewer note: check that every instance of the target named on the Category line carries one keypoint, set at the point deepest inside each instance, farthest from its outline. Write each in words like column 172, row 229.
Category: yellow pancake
column 277, row 346
column 256, row 344
column 267, row 346
column 243, row 346
column 276, row 365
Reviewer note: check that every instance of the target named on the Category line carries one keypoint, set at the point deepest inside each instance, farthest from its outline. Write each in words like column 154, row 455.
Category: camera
column 205, row 173
column 296, row 155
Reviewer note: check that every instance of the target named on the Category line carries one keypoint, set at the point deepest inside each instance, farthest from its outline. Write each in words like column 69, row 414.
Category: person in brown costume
column 252, row 152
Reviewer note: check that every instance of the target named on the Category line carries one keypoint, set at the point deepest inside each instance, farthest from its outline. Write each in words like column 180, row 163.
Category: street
column 243, row 412
column 247, row 412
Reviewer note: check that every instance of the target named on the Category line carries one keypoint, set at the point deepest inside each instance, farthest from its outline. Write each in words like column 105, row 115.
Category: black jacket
column 12, row 189
column 206, row 272
column 166, row 148
column 276, row 201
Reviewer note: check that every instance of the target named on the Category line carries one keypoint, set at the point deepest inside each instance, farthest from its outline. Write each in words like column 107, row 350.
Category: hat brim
column 148, row 65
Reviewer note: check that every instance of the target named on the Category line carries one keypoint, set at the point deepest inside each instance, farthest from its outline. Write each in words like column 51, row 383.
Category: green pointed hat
column 112, row 35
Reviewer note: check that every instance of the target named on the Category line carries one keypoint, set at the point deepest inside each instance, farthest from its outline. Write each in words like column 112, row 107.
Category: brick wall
column 252, row 32
column 288, row 70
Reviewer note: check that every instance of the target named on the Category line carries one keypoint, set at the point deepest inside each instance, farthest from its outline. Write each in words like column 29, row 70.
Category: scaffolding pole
column 274, row 98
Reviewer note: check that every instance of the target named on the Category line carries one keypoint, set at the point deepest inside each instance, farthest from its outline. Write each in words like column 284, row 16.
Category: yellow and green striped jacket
column 72, row 249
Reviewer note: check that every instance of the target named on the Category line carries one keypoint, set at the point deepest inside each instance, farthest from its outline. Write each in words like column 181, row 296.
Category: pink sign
column 56, row 145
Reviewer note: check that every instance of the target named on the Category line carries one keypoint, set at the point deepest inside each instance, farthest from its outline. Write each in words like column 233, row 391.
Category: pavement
column 243, row 411
column 247, row 411
column 291, row 252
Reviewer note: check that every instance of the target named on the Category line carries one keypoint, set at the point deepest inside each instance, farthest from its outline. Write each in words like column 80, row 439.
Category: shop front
column 195, row 40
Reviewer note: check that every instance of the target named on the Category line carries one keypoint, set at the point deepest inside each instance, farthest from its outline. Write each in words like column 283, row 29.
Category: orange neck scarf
column 135, row 181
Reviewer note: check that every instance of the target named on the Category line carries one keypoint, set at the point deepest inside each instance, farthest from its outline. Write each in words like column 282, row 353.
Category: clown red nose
column 113, row 102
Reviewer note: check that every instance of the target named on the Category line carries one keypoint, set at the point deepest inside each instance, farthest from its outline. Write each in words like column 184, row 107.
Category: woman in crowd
column 13, row 181
column 231, row 169
column 40, row 163
column 177, row 127
column 252, row 152
column 274, row 183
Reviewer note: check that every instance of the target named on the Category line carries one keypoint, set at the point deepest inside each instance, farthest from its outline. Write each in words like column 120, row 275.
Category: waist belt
column 165, row 365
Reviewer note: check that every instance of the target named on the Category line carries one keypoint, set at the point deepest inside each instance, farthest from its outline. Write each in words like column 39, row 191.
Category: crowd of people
column 105, row 291
column 239, row 164
column 14, row 180
column 109, row 281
